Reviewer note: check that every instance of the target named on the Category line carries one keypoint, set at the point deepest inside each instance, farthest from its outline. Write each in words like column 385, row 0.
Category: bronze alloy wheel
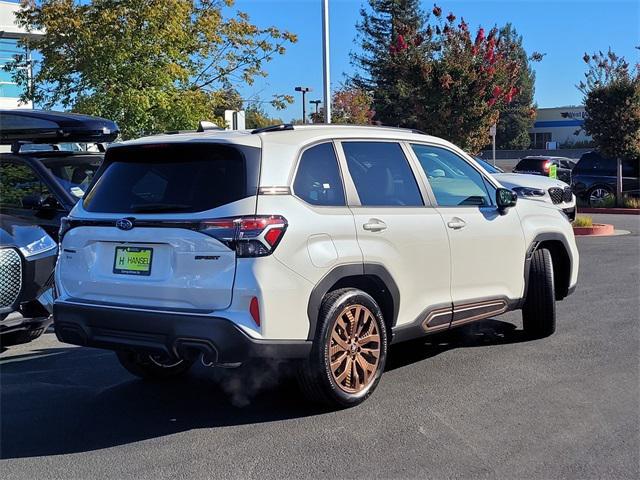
column 354, row 349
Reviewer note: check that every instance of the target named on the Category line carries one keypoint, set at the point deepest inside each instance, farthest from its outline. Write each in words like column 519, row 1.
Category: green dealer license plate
column 133, row 261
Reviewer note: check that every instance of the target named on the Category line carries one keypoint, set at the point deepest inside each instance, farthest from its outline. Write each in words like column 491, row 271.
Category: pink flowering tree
column 430, row 71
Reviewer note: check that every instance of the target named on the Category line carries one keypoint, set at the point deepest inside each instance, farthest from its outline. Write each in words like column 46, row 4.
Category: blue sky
column 562, row 29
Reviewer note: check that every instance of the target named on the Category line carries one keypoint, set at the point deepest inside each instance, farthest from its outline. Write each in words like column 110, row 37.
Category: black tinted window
column 594, row 164
column 17, row 182
column 318, row 179
column 173, row 178
column 381, row 174
column 631, row 167
column 530, row 164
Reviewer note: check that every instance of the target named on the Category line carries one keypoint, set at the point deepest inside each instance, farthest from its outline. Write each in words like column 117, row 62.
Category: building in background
column 559, row 126
column 10, row 34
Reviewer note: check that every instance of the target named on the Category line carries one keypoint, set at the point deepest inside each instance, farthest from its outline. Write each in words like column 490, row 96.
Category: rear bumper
column 174, row 334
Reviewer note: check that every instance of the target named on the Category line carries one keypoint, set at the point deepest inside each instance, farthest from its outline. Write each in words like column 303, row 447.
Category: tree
column 517, row 117
column 383, row 31
column 349, row 105
column 612, row 106
column 256, row 117
column 438, row 79
column 151, row 65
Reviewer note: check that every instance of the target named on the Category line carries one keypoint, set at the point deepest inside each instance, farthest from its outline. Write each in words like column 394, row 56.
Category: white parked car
column 536, row 187
column 317, row 244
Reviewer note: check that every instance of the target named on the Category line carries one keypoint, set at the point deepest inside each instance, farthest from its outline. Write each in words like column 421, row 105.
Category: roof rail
column 273, row 128
column 288, row 126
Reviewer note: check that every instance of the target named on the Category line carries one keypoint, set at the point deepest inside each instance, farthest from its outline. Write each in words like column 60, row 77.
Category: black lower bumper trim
column 167, row 333
column 24, row 324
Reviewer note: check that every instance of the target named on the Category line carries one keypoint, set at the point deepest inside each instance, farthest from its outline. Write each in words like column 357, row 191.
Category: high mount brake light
column 254, row 236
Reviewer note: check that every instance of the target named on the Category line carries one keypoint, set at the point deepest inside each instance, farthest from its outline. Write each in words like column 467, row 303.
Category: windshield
column 487, row 166
column 74, row 174
column 169, row 178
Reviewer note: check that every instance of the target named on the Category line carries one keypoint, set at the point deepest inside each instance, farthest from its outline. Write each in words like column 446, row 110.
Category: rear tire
column 539, row 310
column 349, row 352
column 153, row 367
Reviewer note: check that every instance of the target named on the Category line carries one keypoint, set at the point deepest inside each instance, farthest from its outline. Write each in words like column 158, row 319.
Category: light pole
column 316, row 103
column 325, row 61
column 304, row 91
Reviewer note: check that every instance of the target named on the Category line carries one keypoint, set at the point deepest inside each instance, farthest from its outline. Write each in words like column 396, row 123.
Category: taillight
column 546, row 166
column 255, row 236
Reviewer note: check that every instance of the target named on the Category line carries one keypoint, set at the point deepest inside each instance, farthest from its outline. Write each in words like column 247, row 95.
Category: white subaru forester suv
column 317, row 244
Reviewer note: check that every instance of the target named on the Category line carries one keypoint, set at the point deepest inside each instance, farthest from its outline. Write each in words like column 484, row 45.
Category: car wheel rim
column 354, row 349
column 599, row 196
column 164, row 362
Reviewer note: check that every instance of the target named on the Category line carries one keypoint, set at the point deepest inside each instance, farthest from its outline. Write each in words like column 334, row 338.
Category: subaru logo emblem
column 124, row 224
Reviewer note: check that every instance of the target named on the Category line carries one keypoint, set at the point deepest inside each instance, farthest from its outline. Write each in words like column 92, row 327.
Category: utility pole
column 304, row 91
column 325, row 61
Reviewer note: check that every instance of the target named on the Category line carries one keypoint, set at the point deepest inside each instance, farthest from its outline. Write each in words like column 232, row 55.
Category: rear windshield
column 530, row 164
column 171, row 178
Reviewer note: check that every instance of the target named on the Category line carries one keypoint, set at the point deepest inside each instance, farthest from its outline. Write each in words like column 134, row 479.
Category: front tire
column 153, row 367
column 349, row 352
column 539, row 310
column 601, row 196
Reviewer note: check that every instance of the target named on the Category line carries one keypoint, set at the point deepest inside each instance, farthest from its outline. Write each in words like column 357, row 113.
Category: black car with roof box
column 51, row 160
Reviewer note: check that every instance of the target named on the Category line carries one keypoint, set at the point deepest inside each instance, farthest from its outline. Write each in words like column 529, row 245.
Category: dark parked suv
column 541, row 165
column 594, row 179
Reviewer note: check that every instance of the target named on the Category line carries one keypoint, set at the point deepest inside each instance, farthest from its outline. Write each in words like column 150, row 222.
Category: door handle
column 375, row 225
column 456, row 223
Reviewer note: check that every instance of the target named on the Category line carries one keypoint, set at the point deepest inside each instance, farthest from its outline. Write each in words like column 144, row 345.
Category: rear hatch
column 142, row 236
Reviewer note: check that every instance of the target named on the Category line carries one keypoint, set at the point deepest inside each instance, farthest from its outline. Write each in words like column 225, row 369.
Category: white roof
column 280, row 149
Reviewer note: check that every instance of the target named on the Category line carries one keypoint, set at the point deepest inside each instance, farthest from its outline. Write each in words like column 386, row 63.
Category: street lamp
column 304, row 91
column 316, row 103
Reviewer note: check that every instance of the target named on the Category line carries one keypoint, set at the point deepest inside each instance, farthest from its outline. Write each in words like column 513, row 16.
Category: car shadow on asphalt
column 71, row 400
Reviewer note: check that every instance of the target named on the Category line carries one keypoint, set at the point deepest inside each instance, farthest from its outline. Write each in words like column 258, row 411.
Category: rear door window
column 172, row 178
column 318, row 180
column 381, row 174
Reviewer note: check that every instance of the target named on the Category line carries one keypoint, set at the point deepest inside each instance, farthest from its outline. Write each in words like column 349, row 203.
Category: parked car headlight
column 39, row 245
column 529, row 192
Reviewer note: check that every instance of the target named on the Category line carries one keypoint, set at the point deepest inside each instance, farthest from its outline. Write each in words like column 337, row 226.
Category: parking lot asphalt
column 477, row 402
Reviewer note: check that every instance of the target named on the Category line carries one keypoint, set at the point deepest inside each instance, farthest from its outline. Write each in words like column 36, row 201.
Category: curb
column 597, row 229
column 614, row 211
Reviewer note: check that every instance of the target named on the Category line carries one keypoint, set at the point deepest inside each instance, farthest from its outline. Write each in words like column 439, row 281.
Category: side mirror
column 505, row 199
column 44, row 206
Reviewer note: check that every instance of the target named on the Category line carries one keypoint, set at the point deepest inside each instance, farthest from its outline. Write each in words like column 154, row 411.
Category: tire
column 357, row 364
column 152, row 367
column 539, row 309
column 600, row 195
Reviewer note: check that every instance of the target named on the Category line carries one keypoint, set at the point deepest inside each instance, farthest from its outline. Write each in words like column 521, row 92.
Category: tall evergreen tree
column 387, row 28
column 517, row 117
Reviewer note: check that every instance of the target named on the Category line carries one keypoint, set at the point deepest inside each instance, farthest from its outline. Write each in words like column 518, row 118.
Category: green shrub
column 583, row 221
column 631, row 202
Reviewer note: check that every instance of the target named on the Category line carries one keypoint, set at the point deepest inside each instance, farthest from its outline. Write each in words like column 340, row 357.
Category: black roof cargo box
column 41, row 126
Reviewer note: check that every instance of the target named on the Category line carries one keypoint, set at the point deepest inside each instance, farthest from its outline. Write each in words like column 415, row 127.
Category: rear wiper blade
column 158, row 207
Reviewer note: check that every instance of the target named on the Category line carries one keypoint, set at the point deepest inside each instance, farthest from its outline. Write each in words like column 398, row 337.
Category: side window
column 17, row 182
column 318, row 179
column 630, row 167
column 381, row 174
column 453, row 181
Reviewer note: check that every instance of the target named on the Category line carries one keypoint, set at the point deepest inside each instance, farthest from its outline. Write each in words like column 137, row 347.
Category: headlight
column 529, row 192
column 38, row 244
